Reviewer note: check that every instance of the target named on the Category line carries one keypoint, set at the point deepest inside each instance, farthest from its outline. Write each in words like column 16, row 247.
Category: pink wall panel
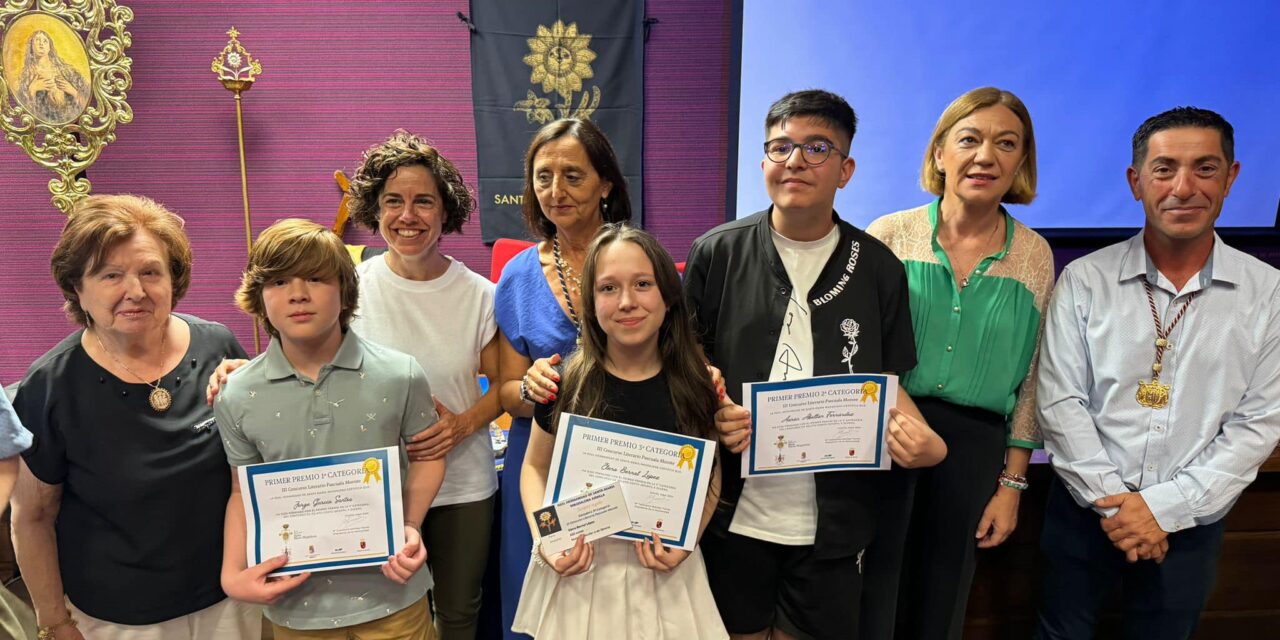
column 338, row 77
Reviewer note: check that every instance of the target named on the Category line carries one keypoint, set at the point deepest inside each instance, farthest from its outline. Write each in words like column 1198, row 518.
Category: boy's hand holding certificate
column 327, row 512
column 828, row 423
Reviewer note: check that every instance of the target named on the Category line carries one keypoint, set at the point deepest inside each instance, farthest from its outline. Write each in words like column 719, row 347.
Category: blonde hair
column 99, row 224
column 297, row 247
column 1023, row 189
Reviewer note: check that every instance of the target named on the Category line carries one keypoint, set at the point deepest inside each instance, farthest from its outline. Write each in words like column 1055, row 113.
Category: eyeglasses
column 814, row 152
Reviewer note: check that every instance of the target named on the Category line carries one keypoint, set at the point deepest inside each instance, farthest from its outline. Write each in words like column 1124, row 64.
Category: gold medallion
column 160, row 399
column 1153, row 395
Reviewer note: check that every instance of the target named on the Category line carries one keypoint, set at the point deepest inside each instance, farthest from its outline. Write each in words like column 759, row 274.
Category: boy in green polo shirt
column 321, row 389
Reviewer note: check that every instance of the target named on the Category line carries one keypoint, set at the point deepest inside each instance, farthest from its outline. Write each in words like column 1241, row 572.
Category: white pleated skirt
column 620, row 599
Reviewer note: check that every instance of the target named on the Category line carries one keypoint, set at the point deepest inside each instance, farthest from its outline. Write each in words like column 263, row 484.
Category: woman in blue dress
column 573, row 185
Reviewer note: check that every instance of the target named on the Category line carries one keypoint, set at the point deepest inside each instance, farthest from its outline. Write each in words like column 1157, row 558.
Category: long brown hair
column 692, row 396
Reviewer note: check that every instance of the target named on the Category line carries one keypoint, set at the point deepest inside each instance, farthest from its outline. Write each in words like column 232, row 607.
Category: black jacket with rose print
column 738, row 291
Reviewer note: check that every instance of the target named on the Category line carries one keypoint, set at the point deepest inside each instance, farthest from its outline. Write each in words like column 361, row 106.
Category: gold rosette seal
column 687, row 455
column 870, row 390
column 372, row 469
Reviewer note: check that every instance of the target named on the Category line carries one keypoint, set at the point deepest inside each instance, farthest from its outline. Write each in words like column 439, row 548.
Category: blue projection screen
column 1090, row 72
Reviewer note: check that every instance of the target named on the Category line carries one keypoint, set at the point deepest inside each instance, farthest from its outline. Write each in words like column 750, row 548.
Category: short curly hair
column 297, row 247
column 404, row 149
column 97, row 225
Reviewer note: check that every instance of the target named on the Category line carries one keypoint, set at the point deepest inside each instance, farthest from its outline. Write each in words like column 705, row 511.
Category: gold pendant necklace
column 1153, row 394
column 160, row 399
column 964, row 279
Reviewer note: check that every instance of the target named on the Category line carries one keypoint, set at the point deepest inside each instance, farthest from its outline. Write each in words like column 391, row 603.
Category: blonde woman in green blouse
column 979, row 281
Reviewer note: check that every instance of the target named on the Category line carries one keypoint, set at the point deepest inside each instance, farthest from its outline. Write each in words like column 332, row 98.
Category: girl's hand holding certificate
column 572, row 562
column 657, row 556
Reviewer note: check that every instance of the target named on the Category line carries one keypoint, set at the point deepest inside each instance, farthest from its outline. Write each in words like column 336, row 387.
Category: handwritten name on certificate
column 827, row 423
column 597, row 513
column 327, row 512
column 664, row 476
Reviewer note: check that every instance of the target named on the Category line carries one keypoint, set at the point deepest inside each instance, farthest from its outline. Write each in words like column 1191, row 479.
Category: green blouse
column 976, row 346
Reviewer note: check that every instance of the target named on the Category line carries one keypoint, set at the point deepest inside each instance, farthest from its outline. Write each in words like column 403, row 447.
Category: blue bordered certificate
column 827, row 423
column 327, row 512
column 664, row 476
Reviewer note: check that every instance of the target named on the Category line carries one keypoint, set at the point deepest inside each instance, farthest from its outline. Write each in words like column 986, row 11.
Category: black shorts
column 760, row 585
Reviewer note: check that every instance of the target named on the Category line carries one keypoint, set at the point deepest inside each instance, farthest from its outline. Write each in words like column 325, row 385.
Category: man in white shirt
column 1158, row 394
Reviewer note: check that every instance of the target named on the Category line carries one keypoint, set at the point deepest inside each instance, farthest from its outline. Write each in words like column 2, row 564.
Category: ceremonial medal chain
column 1153, row 394
column 160, row 399
column 564, row 285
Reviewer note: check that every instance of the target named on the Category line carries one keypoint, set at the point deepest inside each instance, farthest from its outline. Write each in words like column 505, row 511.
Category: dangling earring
column 604, row 208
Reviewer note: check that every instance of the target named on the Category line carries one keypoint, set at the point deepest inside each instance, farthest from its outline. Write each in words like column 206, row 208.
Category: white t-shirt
column 784, row 509
column 443, row 323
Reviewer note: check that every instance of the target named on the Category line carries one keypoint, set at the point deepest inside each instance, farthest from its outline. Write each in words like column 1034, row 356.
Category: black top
column 143, row 493
column 738, row 290
column 646, row 403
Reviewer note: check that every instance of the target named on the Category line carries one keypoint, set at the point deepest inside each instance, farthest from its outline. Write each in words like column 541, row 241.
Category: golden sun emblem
column 561, row 59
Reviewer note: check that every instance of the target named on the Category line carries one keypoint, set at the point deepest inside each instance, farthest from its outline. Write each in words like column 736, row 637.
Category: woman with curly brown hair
column 420, row 301
column 416, row 299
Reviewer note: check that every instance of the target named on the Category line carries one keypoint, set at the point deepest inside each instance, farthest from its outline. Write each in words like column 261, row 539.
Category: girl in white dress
column 639, row 364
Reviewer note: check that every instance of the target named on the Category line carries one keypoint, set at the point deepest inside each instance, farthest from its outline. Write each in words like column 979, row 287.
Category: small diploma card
column 599, row 512
column 663, row 476
column 828, row 423
column 327, row 512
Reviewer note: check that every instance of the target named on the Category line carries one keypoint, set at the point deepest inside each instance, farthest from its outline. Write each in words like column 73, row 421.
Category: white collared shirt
column 1192, row 458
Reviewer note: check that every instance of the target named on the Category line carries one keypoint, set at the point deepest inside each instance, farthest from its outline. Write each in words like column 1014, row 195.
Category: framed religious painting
column 64, row 77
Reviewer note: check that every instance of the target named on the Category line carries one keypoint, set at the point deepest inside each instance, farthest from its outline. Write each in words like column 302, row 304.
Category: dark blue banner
column 534, row 61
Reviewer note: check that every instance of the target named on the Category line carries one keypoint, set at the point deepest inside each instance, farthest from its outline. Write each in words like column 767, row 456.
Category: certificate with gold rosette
column 664, row 476
column 827, row 423
column 326, row 512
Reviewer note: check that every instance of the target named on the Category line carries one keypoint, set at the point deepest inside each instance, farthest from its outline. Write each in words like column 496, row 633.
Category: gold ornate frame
column 67, row 148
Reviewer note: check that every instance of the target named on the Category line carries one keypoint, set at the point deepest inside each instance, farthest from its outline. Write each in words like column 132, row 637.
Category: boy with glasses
column 784, row 553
